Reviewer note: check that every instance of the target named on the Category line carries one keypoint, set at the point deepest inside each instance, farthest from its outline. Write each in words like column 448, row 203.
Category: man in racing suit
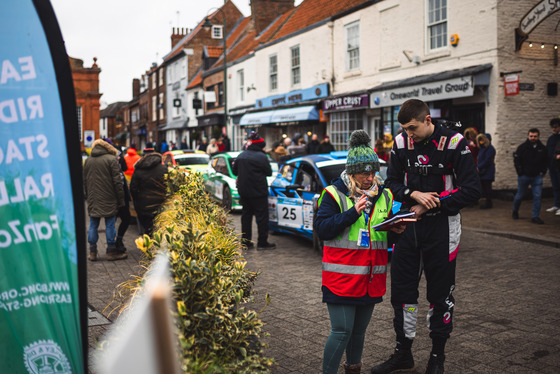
column 433, row 173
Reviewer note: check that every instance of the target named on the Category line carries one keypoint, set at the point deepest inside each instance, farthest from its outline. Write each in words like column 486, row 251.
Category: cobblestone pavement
column 506, row 318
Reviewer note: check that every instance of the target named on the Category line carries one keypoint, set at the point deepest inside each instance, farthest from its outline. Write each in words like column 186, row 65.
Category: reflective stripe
column 379, row 269
column 344, row 243
column 346, row 269
column 410, row 315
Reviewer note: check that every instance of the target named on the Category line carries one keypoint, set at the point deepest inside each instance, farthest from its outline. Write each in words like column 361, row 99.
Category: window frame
column 438, row 26
column 241, row 84
column 217, row 32
column 295, row 63
column 349, row 59
column 79, row 118
column 273, row 75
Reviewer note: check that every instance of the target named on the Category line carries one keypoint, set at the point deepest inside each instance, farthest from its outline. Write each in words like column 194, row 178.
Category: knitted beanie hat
column 361, row 157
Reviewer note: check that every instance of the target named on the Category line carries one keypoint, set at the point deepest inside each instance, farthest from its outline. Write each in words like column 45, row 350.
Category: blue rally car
column 293, row 194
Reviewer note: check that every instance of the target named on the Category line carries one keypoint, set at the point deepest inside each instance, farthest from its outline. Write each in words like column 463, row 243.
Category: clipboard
column 399, row 219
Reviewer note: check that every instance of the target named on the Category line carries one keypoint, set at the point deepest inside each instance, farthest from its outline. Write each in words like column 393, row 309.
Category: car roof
column 189, row 155
column 329, row 158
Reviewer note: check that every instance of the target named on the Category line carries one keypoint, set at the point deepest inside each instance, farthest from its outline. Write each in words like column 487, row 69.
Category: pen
column 445, row 197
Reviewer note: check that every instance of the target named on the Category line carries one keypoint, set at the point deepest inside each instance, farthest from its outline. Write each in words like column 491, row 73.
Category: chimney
column 264, row 12
column 177, row 35
column 135, row 87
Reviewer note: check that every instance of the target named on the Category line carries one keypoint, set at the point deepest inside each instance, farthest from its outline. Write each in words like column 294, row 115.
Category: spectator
column 104, row 195
column 149, row 148
column 278, row 151
column 486, row 167
column 221, row 145
column 212, row 147
column 471, row 134
column 148, row 189
column 203, row 145
column 312, row 145
column 552, row 148
column 184, row 144
column 299, row 149
column 325, row 146
column 163, row 147
column 287, row 142
column 252, row 167
column 173, row 146
column 380, row 150
column 530, row 160
column 388, row 143
column 227, row 143
column 130, row 159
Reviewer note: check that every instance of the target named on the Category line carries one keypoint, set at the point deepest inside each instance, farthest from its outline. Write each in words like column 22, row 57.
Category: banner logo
column 45, row 356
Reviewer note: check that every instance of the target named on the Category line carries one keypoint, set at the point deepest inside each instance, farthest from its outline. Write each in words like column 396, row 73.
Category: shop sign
column 537, row 14
column 312, row 93
column 42, row 230
column 511, row 84
column 346, row 102
column 431, row 91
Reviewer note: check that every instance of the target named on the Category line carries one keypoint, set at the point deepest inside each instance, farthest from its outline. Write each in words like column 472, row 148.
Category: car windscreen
column 183, row 161
column 331, row 172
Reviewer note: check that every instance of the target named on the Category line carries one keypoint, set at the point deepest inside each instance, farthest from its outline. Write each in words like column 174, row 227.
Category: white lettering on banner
column 29, row 190
column 33, row 231
column 13, row 151
column 10, row 72
column 29, row 109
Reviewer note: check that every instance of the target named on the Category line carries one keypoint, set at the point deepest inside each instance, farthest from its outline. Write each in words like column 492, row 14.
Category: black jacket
column 530, row 160
column 252, row 167
column 147, row 186
column 445, row 154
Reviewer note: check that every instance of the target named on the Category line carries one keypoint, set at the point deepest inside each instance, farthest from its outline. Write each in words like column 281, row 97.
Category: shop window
column 273, row 72
column 352, row 46
column 241, row 85
column 295, row 65
column 437, row 24
column 341, row 126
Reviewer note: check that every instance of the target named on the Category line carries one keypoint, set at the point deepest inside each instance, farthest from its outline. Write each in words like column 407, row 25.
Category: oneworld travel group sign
column 431, row 91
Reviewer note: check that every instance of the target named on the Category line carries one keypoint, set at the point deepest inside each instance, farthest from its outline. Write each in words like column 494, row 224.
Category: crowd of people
column 458, row 173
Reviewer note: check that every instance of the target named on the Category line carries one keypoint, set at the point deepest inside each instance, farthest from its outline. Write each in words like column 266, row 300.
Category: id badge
column 363, row 240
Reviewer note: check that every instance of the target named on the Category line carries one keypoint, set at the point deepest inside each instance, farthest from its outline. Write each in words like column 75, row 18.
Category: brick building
column 86, row 89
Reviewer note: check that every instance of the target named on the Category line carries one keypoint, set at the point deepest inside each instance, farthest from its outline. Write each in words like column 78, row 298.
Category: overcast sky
column 126, row 36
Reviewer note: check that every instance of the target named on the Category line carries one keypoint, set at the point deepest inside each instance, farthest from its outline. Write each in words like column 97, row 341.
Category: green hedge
column 216, row 333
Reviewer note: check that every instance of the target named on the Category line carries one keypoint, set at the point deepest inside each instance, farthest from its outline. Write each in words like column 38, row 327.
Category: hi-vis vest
column 352, row 270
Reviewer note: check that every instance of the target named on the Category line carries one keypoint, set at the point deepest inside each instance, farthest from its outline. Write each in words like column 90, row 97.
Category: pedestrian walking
column 530, row 160
column 325, row 146
column 354, row 254
column 130, row 158
column 148, row 188
column 252, row 167
column 552, row 145
column 313, row 144
column 433, row 174
column 486, row 167
column 104, row 193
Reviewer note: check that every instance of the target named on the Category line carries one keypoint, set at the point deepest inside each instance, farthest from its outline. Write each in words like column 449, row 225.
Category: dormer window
column 217, row 32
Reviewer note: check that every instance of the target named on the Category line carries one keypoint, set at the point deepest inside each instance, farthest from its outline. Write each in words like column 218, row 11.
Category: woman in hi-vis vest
column 354, row 254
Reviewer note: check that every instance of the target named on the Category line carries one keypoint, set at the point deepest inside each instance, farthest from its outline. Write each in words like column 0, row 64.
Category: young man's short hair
column 534, row 130
column 413, row 109
column 555, row 122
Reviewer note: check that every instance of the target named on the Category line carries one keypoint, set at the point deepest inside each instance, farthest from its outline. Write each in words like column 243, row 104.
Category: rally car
column 219, row 180
column 293, row 194
column 186, row 160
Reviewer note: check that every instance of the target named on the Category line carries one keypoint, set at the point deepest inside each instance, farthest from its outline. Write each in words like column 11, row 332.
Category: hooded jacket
column 148, row 186
column 102, row 181
column 131, row 158
column 486, row 155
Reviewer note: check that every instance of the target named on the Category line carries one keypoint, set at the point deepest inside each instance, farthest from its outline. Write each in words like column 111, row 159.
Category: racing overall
column 443, row 164
column 351, row 269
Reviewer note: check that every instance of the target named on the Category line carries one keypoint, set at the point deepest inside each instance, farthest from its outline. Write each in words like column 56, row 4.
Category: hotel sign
column 431, row 91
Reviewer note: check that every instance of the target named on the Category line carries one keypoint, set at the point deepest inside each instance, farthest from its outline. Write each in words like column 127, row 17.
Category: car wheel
column 226, row 199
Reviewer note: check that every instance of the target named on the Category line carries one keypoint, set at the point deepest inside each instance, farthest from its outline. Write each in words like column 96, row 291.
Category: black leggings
column 124, row 215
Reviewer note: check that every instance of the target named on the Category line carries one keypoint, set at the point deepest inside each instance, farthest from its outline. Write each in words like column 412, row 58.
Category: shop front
column 294, row 114
column 459, row 95
column 346, row 113
column 174, row 131
column 211, row 125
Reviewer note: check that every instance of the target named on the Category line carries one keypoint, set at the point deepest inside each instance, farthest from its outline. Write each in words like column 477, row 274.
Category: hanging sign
column 43, row 326
column 511, row 84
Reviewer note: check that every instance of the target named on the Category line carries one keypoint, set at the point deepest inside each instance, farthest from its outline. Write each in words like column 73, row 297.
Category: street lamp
column 208, row 25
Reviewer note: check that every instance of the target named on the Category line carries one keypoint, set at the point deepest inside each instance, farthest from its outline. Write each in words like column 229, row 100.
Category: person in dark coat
column 148, row 189
column 252, row 167
column 486, row 167
column 552, row 145
column 530, row 160
column 325, row 146
column 313, row 144
column 104, row 193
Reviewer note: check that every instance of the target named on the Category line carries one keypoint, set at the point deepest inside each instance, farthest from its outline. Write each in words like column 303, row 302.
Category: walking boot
column 352, row 369
column 114, row 254
column 400, row 361
column 435, row 365
column 120, row 245
column 92, row 252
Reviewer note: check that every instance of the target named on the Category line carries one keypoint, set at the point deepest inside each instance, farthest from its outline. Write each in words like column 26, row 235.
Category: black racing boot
column 435, row 365
column 399, row 362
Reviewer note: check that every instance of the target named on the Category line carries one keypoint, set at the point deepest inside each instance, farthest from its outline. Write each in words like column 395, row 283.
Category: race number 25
column 290, row 215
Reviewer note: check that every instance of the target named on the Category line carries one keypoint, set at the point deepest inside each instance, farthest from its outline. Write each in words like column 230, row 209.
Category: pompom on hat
column 361, row 157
